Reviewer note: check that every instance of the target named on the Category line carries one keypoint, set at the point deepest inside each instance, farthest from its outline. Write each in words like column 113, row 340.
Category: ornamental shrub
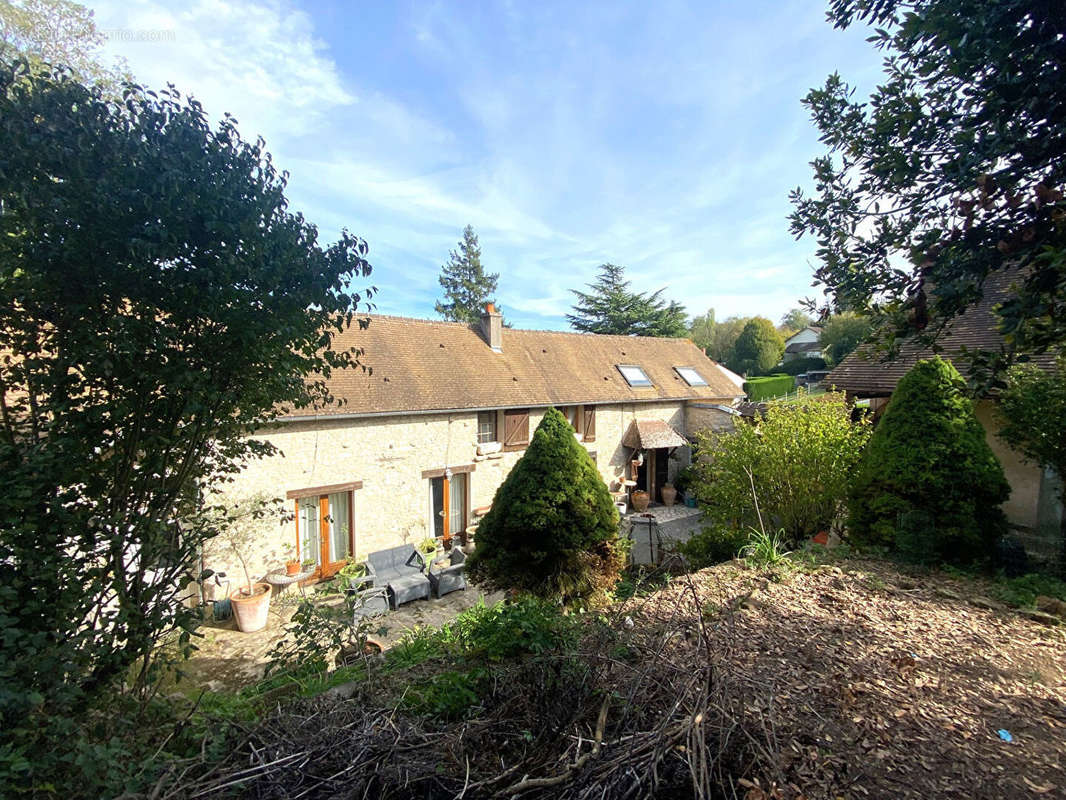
column 552, row 530
column 800, row 457
column 929, row 487
column 771, row 386
column 798, row 366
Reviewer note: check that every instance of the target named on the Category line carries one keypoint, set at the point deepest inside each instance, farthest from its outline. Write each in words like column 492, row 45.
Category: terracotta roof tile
column 425, row 365
column 864, row 372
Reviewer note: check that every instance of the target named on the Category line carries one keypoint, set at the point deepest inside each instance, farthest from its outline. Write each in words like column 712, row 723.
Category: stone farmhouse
column 421, row 442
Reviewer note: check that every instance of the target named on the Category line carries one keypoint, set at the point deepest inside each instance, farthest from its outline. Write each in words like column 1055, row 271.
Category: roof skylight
column 690, row 376
column 634, row 375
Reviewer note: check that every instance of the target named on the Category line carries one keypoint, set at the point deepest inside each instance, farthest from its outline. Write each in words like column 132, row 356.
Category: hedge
column 798, row 366
column 771, row 386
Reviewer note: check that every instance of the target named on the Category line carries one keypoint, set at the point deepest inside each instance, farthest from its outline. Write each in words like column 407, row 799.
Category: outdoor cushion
column 406, row 588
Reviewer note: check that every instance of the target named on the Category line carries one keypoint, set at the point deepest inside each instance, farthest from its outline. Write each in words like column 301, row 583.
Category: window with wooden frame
column 582, row 419
column 325, row 525
column 486, row 427
column 515, row 428
column 449, row 500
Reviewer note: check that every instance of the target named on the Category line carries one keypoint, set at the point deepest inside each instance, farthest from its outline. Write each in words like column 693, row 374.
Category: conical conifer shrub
column 553, row 528
column 929, row 486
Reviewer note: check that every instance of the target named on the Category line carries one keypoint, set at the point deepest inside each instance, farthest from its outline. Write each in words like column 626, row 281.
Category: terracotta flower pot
column 292, row 567
column 251, row 611
column 669, row 494
column 640, row 500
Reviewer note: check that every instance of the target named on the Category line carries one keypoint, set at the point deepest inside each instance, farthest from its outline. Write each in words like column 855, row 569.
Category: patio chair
column 401, row 569
column 450, row 578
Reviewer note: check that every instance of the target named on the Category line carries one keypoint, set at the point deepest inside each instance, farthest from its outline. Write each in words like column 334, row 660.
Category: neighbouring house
column 803, row 344
column 420, row 443
column 1034, row 509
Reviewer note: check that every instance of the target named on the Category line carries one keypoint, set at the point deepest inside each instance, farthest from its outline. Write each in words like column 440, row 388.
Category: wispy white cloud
column 664, row 138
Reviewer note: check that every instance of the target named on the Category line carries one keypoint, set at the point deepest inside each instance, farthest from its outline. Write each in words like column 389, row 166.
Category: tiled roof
column 804, row 347
column 865, row 373
column 648, row 434
column 424, row 365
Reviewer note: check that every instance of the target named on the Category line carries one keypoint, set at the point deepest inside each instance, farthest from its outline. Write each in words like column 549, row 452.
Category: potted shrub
column 251, row 601
column 352, row 573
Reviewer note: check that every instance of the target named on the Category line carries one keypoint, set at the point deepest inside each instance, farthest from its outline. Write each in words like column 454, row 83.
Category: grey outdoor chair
column 402, row 570
column 450, row 578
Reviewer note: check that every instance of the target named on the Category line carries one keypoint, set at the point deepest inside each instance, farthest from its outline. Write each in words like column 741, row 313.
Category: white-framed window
column 690, row 376
column 486, row 427
column 634, row 375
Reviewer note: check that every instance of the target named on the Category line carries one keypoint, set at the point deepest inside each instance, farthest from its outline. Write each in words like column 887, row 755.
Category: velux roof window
column 634, row 375
column 690, row 376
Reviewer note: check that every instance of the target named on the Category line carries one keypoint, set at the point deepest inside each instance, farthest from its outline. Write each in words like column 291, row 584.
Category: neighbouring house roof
column 863, row 372
column 648, row 434
column 803, row 347
column 425, row 365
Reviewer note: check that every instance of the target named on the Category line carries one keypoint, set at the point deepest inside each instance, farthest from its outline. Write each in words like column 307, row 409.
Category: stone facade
column 389, row 454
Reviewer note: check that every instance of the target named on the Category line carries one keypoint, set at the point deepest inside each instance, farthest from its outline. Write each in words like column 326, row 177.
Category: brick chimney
column 492, row 327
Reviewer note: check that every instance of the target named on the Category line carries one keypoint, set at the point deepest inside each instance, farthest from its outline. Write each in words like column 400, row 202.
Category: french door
column 324, row 530
column 447, row 505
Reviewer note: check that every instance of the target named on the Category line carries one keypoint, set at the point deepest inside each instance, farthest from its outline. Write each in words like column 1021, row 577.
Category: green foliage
column 448, row 695
column 800, row 458
column 929, row 486
column 841, row 334
column 764, row 549
column 926, row 171
column 612, row 308
column 552, row 530
column 1032, row 414
column 794, row 321
column 58, row 32
column 685, row 478
column 315, row 633
column 798, row 366
column 717, row 339
column 1023, row 590
column 713, row 545
column 467, row 287
column 157, row 303
column 758, row 348
column 769, row 387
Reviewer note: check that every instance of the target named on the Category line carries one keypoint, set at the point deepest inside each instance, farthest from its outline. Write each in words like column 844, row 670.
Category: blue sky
column 664, row 137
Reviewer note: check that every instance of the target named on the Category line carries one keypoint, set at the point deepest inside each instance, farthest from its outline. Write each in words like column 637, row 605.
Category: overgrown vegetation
column 797, row 460
column 158, row 302
column 713, row 545
column 553, row 530
column 929, row 487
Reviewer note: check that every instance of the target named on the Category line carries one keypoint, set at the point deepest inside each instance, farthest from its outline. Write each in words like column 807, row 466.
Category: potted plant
column 308, row 565
column 251, row 601
column 428, row 548
column 353, row 571
column 292, row 564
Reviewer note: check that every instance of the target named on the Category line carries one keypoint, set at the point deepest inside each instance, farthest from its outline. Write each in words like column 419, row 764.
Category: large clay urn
column 669, row 494
column 640, row 500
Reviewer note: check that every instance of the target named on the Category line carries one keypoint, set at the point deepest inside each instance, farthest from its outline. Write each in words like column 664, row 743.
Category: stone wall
column 389, row 455
column 704, row 417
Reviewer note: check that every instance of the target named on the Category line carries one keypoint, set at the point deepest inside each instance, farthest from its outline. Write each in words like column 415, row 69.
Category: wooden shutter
column 589, row 426
column 515, row 429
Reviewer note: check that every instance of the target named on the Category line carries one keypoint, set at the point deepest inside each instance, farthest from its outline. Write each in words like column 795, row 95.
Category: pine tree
column 552, row 530
column 611, row 308
column 929, row 486
column 467, row 287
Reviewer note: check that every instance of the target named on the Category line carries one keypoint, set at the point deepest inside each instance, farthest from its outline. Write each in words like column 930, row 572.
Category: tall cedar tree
column 467, row 287
column 758, row 349
column 552, row 530
column 612, row 308
column 929, row 486
column 158, row 303
column 955, row 164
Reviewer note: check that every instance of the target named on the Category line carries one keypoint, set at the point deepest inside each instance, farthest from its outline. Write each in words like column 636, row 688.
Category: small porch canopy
column 651, row 434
